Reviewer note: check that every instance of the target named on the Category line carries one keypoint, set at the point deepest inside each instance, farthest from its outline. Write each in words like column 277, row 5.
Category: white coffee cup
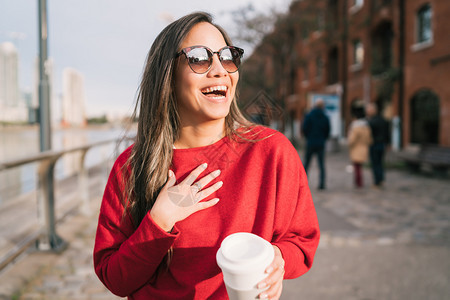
column 243, row 258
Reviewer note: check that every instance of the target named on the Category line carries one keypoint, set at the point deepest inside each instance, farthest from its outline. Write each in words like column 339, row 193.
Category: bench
column 434, row 156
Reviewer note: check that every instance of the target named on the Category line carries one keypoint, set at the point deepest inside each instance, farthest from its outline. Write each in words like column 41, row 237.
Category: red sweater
column 265, row 192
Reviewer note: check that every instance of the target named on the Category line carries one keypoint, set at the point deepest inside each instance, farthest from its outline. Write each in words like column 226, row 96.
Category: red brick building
column 395, row 53
column 426, row 102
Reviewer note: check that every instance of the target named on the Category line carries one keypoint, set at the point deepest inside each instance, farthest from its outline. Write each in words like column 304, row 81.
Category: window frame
column 421, row 13
column 424, row 19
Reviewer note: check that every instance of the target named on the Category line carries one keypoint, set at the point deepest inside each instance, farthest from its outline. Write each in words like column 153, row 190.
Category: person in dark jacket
column 380, row 135
column 316, row 129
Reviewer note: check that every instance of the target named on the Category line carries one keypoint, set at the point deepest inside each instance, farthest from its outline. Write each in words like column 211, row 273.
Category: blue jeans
column 376, row 161
column 320, row 152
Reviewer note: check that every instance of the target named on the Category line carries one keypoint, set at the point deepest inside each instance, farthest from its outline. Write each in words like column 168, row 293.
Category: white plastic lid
column 244, row 252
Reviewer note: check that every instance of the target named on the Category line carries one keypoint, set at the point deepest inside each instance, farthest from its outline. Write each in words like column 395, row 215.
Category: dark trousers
column 320, row 152
column 376, row 152
column 357, row 170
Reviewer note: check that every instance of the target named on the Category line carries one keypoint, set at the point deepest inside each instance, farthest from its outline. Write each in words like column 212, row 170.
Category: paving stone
column 33, row 296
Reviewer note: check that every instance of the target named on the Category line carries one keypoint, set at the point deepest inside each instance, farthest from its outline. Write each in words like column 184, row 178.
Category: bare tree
column 252, row 25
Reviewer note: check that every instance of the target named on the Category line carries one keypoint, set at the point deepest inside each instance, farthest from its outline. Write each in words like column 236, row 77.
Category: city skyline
column 107, row 41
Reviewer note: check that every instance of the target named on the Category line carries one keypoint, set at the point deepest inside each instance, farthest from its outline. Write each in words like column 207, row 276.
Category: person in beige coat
column 359, row 140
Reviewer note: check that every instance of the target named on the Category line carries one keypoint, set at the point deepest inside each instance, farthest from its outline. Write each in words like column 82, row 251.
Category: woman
column 194, row 147
column 359, row 140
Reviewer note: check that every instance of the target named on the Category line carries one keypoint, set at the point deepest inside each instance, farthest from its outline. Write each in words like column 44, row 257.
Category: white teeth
column 214, row 89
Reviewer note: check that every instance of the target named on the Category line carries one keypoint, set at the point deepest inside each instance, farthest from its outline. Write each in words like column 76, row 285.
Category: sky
column 105, row 40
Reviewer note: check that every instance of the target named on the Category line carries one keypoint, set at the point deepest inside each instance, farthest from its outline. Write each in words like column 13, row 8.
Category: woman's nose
column 217, row 70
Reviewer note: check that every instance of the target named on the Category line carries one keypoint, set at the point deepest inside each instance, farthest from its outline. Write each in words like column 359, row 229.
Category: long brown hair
column 158, row 119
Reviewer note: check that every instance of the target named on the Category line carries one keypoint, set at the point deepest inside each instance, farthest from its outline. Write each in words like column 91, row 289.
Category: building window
column 424, row 116
column 381, row 48
column 356, row 5
column 424, row 31
column 319, row 68
column 358, row 52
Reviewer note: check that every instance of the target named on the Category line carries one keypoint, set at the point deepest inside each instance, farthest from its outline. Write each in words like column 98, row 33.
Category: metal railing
column 46, row 237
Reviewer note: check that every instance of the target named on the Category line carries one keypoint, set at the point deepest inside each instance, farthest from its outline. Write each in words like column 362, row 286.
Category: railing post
column 83, row 184
column 105, row 161
column 49, row 239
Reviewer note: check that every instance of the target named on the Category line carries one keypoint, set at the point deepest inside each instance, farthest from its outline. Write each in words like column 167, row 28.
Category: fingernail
column 216, row 200
column 262, row 285
column 204, row 166
column 220, row 183
column 216, row 173
column 170, row 173
column 269, row 270
column 263, row 296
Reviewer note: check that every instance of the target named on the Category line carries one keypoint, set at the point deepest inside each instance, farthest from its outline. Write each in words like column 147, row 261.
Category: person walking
column 380, row 135
column 161, row 221
column 316, row 129
column 359, row 140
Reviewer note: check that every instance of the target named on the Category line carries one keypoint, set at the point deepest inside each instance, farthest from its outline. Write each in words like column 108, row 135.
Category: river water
column 19, row 142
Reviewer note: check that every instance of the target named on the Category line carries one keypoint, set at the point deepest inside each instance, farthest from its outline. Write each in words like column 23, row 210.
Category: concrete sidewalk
column 392, row 243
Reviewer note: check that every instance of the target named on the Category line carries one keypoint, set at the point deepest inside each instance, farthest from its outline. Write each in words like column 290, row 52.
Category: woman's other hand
column 275, row 278
column 177, row 202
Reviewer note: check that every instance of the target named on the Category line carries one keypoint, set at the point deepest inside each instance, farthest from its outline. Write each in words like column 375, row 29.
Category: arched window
column 424, row 30
column 424, row 118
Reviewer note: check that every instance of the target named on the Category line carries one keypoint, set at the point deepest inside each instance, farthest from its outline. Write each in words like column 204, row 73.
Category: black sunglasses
column 200, row 58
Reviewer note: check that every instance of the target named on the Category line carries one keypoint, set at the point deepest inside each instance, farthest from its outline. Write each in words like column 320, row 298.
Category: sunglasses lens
column 199, row 60
column 230, row 59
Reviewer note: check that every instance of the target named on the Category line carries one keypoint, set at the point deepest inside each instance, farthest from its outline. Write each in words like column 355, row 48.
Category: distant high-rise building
column 11, row 107
column 9, row 76
column 73, row 106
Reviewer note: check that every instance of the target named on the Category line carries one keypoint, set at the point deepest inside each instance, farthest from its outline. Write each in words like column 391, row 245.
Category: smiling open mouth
column 215, row 91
